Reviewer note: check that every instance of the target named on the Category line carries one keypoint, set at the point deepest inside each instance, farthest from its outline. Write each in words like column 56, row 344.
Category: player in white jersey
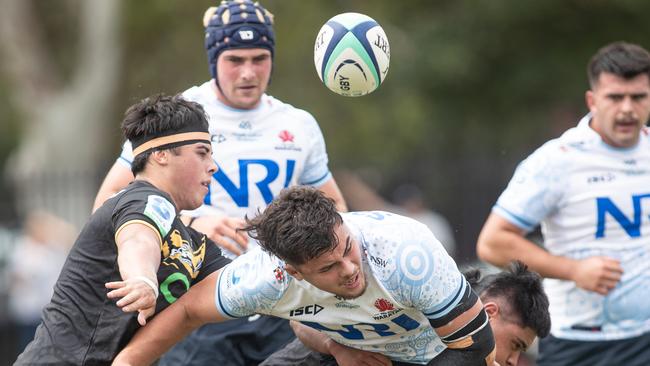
column 589, row 190
column 373, row 281
column 513, row 299
column 260, row 145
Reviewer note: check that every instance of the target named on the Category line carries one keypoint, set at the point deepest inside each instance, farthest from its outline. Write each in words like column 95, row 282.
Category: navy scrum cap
column 236, row 24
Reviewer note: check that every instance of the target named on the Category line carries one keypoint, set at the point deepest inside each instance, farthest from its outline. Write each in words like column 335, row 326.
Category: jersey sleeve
column 126, row 156
column 145, row 207
column 534, row 190
column 252, row 283
column 316, row 171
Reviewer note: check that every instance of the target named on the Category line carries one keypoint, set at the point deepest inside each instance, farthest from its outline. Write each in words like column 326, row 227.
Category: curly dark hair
column 297, row 226
column 521, row 289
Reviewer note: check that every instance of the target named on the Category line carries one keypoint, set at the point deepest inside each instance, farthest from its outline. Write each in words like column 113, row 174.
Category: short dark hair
column 297, row 226
column 622, row 59
column 521, row 289
column 155, row 115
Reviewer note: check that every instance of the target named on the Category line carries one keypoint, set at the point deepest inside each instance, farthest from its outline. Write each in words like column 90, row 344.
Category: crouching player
column 372, row 281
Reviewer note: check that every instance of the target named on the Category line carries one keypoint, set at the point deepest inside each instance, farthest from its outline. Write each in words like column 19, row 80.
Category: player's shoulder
column 383, row 232
column 288, row 110
column 380, row 219
column 202, row 94
column 562, row 150
column 141, row 198
column 257, row 268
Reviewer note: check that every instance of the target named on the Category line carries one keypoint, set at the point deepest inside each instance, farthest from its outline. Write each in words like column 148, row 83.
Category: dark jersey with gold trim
column 81, row 326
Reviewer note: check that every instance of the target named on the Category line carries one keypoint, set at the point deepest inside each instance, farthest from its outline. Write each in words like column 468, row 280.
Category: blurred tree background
column 473, row 87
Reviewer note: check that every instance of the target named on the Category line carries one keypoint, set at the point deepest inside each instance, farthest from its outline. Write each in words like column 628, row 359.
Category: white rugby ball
column 352, row 54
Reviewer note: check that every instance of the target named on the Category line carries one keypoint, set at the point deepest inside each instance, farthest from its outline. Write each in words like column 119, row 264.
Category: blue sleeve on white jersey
column 126, row 156
column 534, row 190
column 316, row 172
column 252, row 283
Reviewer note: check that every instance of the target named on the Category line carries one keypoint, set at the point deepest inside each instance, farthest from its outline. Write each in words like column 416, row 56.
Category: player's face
column 340, row 271
column 191, row 172
column 620, row 108
column 511, row 338
column 243, row 76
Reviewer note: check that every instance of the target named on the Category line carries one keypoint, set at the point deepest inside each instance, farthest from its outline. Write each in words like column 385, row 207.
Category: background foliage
column 473, row 87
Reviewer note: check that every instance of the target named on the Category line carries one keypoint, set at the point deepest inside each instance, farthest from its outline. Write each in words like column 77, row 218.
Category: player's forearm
column 500, row 242
column 312, row 338
column 138, row 258
column 502, row 247
column 151, row 341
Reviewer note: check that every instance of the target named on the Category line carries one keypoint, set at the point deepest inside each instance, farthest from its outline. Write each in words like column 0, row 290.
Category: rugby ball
column 351, row 54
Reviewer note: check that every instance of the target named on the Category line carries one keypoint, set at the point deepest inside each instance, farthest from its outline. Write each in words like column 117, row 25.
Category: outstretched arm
column 192, row 310
column 501, row 242
column 138, row 257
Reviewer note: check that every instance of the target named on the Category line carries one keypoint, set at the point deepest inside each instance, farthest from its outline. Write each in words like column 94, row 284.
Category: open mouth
column 353, row 282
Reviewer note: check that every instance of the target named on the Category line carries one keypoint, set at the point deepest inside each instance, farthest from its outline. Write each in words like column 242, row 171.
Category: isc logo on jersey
column 351, row 54
column 308, row 310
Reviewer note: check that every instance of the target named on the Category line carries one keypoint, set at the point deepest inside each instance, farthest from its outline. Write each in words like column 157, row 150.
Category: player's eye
column 326, row 269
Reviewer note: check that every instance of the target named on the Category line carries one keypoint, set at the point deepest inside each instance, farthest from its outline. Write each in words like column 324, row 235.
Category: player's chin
column 196, row 202
column 355, row 289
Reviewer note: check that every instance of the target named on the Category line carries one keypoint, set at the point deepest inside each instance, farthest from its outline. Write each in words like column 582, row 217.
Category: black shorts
column 237, row 342
column 629, row 352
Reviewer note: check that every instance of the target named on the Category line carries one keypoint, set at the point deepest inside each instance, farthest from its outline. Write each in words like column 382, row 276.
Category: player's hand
column 134, row 295
column 597, row 274
column 347, row 356
column 223, row 231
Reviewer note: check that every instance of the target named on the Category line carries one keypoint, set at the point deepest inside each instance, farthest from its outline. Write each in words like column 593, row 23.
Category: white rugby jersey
column 258, row 152
column 410, row 278
column 591, row 200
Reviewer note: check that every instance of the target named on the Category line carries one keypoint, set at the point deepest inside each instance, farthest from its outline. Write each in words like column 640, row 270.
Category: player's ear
column 491, row 308
column 293, row 272
column 589, row 99
column 160, row 156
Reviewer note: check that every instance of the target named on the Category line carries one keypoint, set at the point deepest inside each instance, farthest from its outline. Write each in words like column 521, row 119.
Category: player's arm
column 500, row 242
column 466, row 331
column 189, row 312
column 331, row 190
column 344, row 355
column 223, row 230
column 118, row 177
column 138, row 257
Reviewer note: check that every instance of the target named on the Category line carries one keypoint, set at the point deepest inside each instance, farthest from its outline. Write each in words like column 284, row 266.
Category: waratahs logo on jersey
column 386, row 309
column 384, row 305
column 279, row 274
column 287, row 139
column 286, row 136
